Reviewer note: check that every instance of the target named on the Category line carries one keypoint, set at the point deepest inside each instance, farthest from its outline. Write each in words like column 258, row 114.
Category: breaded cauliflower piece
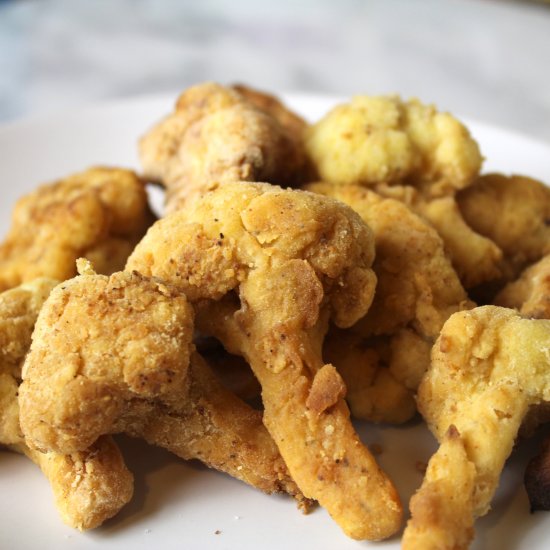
column 267, row 268
column 293, row 123
column 512, row 211
column 385, row 139
column 112, row 354
column 530, row 293
column 19, row 309
column 100, row 214
column 489, row 366
column 410, row 152
column 217, row 134
column 475, row 258
column 89, row 486
column 99, row 343
column 450, row 478
column 417, row 290
column 373, row 391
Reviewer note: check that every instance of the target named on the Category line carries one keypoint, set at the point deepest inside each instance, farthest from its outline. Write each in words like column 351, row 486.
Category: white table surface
column 485, row 59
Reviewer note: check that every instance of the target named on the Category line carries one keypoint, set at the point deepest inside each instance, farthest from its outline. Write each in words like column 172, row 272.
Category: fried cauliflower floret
column 489, row 366
column 112, row 354
column 217, row 134
column 450, row 478
column 100, row 342
column 476, row 259
column 416, row 292
column 294, row 124
column 88, row 487
column 530, row 293
column 385, row 139
column 514, row 212
column 373, row 392
column 19, row 309
column 267, row 268
column 215, row 426
column 416, row 283
column 100, row 213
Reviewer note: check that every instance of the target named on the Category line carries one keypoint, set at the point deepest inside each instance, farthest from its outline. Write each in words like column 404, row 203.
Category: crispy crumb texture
column 89, row 486
column 218, row 134
column 489, row 366
column 99, row 214
column 310, row 256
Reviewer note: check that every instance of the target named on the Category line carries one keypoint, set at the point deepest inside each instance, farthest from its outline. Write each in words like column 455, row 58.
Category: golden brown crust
column 416, row 285
column 291, row 249
column 111, row 354
column 373, row 392
column 417, row 290
column 489, row 366
column 19, row 309
column 88, row 487
column 101, row 212
column 99, row 343
column 530, row 293
column 216, row 427
column 216, row 135
column 514, row 213
column 450, row 478
column 293, row 123
column 475, row 258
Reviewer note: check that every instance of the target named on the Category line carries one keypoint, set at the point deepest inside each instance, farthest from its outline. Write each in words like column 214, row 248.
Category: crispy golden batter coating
column 111, row 354
column 217, row 134
column 19, row 309
column 385, row 139
column 215, row 426
column 412, row 153
column 293, row 123
column 489, row 366
column 100, row 213
column 475, row 258
column 373, row 391
column 99, row 343
column 90, row 486
column 513, row 212
column 416, row 292
column 530, row 293
column 269, row 266
column 417, row 285
column 450, row 478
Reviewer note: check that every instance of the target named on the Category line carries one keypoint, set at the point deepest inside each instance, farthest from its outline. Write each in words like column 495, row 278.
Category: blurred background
column 484, row 59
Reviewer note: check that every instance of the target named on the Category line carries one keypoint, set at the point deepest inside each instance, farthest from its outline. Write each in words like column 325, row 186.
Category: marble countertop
column 485, row 59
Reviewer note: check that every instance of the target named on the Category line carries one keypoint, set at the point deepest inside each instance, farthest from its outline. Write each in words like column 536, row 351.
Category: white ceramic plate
column 184, row 505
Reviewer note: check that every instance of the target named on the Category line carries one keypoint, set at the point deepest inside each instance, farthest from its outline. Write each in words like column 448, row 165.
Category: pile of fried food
column 344, row 285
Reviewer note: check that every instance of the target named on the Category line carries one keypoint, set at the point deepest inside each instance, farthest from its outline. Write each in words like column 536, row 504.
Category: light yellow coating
column 385, row 139
column 489, row 366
